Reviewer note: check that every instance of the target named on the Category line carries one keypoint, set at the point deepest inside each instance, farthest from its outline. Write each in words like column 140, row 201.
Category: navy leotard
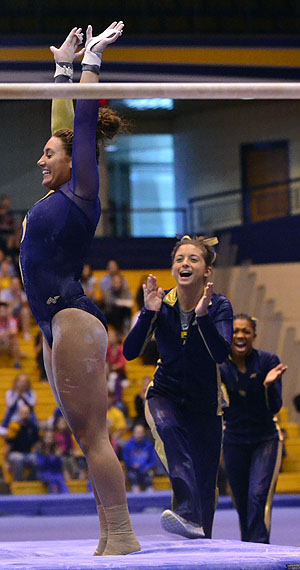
column 58, row 230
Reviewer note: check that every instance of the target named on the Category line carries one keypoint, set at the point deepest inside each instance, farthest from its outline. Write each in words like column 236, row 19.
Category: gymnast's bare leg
column 47, row 353
column 79, row 384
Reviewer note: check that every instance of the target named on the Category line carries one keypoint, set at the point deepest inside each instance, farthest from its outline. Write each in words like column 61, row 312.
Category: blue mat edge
column 84, row 504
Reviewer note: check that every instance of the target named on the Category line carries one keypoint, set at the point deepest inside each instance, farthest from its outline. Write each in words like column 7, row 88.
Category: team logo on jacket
column 183, row 336
column 52, row 300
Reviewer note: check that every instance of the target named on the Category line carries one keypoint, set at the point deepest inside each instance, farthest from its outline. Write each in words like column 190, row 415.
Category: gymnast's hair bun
column 110, row 124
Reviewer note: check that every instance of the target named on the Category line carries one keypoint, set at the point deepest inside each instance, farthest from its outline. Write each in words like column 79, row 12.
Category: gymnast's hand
column 201, row 308
column 67, row 51
column 98, row 43
column 152, row 294
column 274, row 374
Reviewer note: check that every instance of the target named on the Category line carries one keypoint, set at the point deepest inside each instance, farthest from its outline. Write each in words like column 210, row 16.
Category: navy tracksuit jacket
column 252, row 441
column 184, row 401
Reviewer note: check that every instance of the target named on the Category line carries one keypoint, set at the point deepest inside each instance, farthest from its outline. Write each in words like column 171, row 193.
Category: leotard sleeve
column 85, row 174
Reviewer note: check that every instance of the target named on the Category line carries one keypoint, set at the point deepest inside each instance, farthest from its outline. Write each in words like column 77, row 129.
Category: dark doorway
column 265, row 174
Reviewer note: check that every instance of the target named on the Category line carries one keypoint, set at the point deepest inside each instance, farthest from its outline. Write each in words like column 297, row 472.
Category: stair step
column 38, row 488
column 288, row 483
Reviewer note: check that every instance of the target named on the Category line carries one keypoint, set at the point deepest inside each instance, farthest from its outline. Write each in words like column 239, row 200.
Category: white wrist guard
column 91, row 58
column 64, row 68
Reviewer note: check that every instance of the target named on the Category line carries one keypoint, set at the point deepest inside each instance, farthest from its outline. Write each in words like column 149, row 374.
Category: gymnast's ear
column 208, row 271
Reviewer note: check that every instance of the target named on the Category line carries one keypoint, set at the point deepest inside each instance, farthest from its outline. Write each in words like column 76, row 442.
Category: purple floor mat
column 157, row 552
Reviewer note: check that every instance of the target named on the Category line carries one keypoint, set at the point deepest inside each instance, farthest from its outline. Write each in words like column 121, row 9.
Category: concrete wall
column 25, row 127
column 207, row 142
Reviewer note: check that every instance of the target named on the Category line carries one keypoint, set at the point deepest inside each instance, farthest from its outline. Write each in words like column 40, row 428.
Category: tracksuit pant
column 252, row 471
column 188, row 443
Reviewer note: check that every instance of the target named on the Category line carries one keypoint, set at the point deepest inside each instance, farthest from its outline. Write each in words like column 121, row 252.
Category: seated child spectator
column 9, row 335
column 50, row 464
column 117, row 303
column 22, row 437
column 140, row 459
column 21, row 393
column 16, row 299
column 89, row 282
column 74, row 464
column 116, row 367
column 112, row 269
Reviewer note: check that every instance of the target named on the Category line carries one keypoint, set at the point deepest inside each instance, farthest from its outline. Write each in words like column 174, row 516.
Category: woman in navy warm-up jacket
column 252, row 439
column 193, row 331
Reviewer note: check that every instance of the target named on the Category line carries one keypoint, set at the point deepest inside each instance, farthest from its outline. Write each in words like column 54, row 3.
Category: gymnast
column 252, row 440
column 193, row 331
column 56, row 235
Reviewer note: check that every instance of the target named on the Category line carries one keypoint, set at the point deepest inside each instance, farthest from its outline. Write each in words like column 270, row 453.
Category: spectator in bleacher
column 50, row 464
column 89, row 282
column 38, row 348
column 117, row 303
column 140, row 459
column 13, row 250
column 22, row 438
column 252, row 444
column 21, row 393
column 9, row 343
column 74, row 464
column 2, row 255
column 16, row 299
column 50, row 423
column 139, row 402
column 296, row 402
column 116, row 367
column 7, row 220
column 193, row 330
column 7, row 271
column 116, row 422
column 150, row 354
column 112, row 269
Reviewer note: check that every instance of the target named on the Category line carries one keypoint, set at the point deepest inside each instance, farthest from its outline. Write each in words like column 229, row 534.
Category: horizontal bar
column 217, row 90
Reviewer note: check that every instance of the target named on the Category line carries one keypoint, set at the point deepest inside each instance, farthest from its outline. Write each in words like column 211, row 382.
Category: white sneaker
column 171, row 522
column 135, row 488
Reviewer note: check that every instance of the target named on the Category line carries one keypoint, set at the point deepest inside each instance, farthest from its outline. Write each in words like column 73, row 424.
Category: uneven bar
column 203, row 90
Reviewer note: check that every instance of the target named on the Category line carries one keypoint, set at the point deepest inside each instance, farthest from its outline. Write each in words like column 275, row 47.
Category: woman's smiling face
column 243, row 337
column 189, row 266
column 55, row 163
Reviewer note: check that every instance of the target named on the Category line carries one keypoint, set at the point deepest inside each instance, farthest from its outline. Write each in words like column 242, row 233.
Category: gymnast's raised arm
column 85, row 176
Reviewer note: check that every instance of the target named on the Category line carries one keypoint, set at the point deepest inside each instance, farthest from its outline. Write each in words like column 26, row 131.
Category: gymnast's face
column 243, row 337
column 56, row 164
column 189, row 267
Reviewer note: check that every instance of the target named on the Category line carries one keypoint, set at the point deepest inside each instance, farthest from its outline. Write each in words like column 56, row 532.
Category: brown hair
column 199, row 241
column 109, row 125
column 15, row 382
